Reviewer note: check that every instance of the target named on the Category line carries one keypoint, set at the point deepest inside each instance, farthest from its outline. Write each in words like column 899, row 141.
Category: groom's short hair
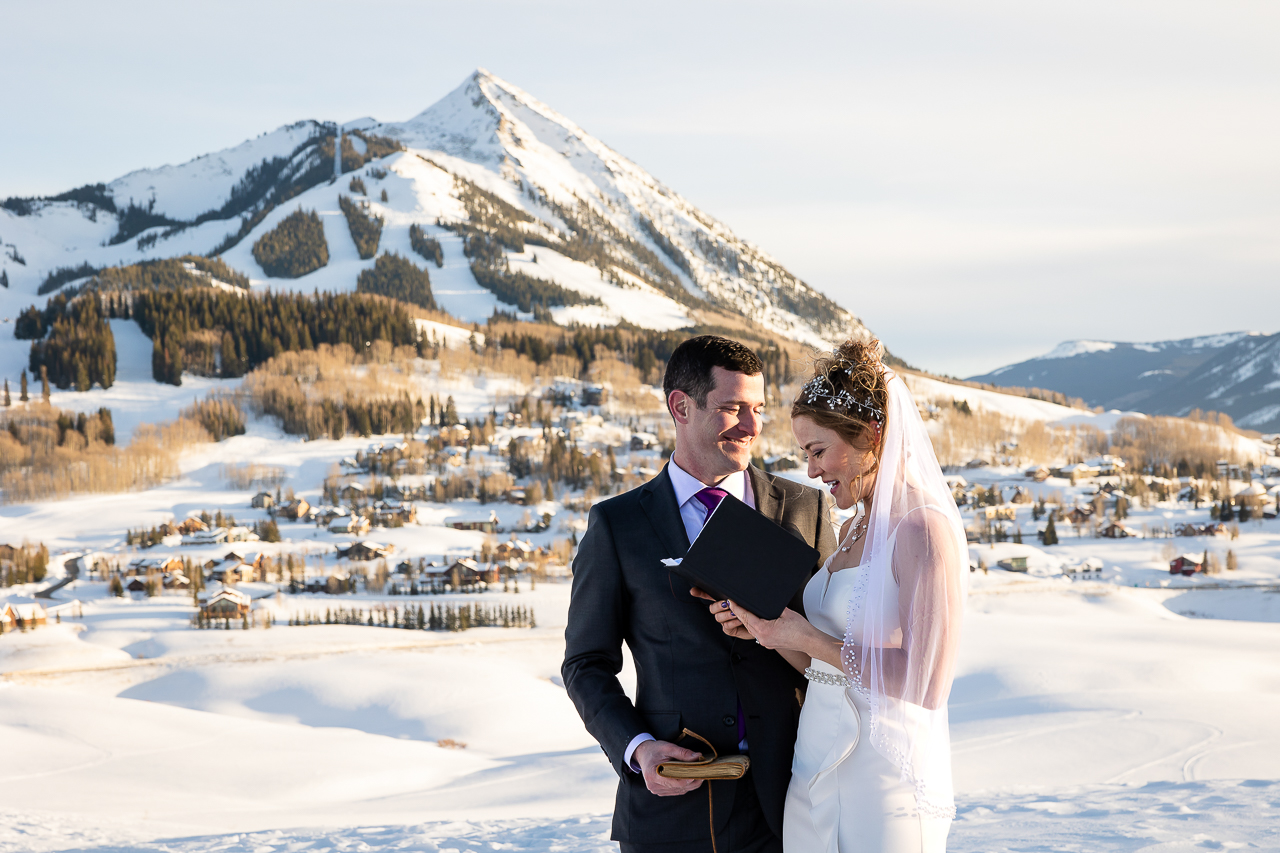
column 689, row 368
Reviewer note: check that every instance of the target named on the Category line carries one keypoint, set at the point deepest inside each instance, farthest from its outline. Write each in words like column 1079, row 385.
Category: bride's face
column 840, row 465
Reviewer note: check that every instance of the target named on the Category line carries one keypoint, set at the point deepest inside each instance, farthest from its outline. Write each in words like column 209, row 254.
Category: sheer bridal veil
column 903, row 623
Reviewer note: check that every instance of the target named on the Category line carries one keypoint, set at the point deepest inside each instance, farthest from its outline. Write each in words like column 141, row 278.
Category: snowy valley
column 287, row 522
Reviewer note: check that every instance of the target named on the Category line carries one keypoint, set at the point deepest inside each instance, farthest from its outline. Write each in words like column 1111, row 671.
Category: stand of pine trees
column 365, row 230
column 397, row 278
column 80, row 350
column 329, row 418
column 29, row 564
column 527, row 293
column 256, row 328
column 426, row 246
column 60, row 276
column 293, row 248
column 166, row 274
column 433, row 617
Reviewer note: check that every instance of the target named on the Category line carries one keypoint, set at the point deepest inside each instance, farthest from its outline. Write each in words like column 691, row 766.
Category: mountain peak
column 605, row 227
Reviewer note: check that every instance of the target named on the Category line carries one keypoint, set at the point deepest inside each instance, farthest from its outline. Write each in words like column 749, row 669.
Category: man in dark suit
column 737, row 694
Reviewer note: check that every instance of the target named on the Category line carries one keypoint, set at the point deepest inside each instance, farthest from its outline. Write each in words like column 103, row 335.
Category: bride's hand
column 788, row 631
column 729, row 623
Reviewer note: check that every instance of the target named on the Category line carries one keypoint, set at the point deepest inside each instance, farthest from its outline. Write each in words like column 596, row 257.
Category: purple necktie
column 710, row 498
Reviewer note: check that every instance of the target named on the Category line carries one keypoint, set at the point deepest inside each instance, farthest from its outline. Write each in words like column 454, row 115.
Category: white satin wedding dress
column 844, row 796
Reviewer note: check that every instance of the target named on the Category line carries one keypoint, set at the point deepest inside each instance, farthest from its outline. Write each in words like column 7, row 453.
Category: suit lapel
column 658, row 501
column 770, row 501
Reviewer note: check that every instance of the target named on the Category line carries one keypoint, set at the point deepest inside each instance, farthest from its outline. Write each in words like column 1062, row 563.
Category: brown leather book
column 721, row 767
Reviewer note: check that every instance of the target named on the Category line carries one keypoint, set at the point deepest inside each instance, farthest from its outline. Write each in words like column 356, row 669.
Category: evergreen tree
column 22, row 387
column 44, row 383
column 8, row 401
column 1050, row 533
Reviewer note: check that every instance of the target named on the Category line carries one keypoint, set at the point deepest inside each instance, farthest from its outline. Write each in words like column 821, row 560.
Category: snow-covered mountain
column 1236, row 373
column 596, row 223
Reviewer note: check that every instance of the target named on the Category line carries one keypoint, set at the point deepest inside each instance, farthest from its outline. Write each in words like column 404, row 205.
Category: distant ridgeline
column 262, row 189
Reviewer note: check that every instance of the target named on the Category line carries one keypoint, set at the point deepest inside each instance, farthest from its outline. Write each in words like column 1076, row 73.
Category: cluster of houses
column 1099, row 466
column 385, row 511
column 509, row 559
column 170, row 573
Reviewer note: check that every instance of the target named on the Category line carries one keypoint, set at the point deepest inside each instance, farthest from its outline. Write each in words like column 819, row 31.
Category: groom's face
column 715, row 440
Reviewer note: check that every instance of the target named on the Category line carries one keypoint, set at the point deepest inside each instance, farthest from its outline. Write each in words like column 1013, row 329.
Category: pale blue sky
column 977, row 181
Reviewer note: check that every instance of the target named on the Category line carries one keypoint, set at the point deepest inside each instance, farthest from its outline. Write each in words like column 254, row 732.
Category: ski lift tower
column 337, row 153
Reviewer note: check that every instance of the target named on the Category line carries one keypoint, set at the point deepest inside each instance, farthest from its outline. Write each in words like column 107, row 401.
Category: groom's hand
column 650, row 754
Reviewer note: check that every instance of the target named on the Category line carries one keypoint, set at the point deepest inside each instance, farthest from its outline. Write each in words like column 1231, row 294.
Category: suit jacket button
column 730, row 720
column 737, row 658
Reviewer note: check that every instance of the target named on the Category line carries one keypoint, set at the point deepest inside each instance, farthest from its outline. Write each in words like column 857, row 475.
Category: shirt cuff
column 631, row 749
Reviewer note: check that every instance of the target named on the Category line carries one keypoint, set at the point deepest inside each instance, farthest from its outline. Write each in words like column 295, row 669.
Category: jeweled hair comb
column 837, row 399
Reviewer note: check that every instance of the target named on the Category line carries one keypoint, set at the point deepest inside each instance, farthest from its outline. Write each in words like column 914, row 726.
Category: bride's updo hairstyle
column 847, row 394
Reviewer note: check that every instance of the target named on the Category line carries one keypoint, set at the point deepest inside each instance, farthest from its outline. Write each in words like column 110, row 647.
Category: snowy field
column 1086, row 717
column 1135, row 712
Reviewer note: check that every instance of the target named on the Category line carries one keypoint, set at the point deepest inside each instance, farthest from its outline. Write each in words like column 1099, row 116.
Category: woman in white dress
column 872, row 767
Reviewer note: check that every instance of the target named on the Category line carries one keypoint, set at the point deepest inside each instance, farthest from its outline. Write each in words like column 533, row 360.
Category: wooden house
column 351, row 525
column 1080, row 514
column 1090, row 568
column 158, row 565
column 175, row 580
column 241, row 534
column 364, row 550
column 485, row 525
column 1116, row 530
column 210, row 536
column 465, row 572
column 394, row 514
column 226, row 603
column 190, row 525
column 643, row 441
column 1186, row 564
column 513, row 549
column 295, row 510
column 263, row 500
column 1013, row 564
column 19, row 613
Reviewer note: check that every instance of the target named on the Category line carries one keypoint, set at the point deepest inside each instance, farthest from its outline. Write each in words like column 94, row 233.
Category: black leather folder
column 743, row 556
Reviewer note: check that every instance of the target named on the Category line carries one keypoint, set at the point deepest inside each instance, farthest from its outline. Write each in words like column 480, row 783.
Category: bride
column 872, row 766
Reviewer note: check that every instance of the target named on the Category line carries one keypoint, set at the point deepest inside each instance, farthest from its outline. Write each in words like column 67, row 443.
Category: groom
column 737, row 694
